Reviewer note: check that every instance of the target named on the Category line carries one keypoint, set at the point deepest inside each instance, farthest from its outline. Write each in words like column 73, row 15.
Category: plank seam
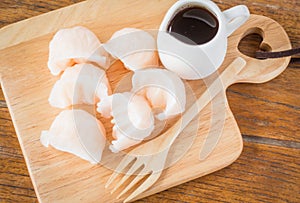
column 271, row 141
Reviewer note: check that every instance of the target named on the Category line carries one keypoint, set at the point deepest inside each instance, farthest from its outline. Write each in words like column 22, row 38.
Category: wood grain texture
column 213, row 187
column 263, row 173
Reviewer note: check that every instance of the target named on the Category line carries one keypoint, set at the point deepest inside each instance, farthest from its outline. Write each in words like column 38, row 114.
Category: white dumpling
column 75, row 45
column 132, row 118
column 163, row 89
column 81, row 84
column 135, row 48
column 76, row 132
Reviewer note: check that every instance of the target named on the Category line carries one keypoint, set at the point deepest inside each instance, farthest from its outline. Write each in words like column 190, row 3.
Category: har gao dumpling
column 135, row 48
column 81, row 84
column 163, row 89
column 76, row 132
column 132, row 118
column 73, row 46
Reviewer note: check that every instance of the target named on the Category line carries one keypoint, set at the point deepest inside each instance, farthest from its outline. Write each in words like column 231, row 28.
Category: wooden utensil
column 151, row 156
column 26, row 83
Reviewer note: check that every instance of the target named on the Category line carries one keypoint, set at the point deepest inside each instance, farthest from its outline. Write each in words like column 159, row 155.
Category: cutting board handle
column 274, row 39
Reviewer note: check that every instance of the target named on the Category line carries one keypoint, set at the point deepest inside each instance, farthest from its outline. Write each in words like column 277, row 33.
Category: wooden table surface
column 268, row 115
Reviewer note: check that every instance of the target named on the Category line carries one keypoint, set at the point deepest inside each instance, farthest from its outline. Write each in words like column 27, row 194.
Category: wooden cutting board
column 26, row 82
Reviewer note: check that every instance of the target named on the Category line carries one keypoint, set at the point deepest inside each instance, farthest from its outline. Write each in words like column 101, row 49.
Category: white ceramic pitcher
column 198, row 61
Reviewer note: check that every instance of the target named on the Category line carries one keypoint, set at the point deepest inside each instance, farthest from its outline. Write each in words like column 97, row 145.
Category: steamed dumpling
column 135, row 48
column 75, row 45
column 163, row 89
column 132, row 118
column 81, row 84
column 76, row 132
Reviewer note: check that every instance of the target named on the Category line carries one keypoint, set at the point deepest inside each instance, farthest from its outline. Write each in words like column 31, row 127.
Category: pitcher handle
column 235, row 17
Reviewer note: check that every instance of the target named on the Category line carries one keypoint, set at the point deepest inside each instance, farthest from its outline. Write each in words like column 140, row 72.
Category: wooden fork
column 150, row 157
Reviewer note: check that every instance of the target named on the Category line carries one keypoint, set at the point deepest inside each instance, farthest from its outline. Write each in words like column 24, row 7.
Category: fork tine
column 133, row 182
column 129, row 173
column 148, row 183
column 125, row 161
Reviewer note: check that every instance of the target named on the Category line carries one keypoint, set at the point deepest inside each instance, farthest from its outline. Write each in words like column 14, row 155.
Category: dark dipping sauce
column 194, row 25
